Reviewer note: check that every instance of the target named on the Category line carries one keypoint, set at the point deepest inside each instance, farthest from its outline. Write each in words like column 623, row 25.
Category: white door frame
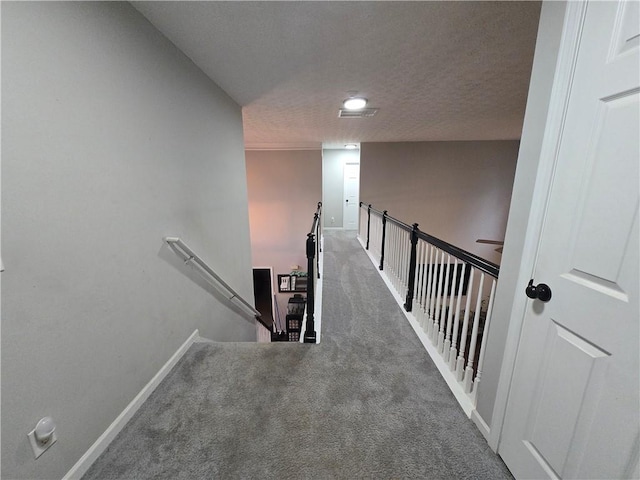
column 565, row 67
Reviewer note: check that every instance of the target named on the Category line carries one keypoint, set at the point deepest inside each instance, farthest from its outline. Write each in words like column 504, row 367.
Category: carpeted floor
column 365, row 403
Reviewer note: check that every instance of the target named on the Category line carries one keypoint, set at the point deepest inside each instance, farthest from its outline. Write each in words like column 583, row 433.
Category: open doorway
column 263, row 295
column 340, row 187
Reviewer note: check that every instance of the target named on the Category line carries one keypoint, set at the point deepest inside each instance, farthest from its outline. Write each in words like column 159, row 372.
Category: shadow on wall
column 193, row 273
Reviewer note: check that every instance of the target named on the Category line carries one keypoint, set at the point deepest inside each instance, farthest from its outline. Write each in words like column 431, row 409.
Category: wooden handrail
column 468, row 257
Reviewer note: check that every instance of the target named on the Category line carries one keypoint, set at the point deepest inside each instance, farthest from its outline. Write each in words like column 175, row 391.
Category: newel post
column 310, row 332
column 384, row 234
column 408, row 305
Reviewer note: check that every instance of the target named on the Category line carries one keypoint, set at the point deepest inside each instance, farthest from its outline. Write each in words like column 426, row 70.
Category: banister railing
column 448, row 291
column 190, row 257
column 313, row 249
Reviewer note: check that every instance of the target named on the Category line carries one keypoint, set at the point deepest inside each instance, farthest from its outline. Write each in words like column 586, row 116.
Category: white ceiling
column 436, row 70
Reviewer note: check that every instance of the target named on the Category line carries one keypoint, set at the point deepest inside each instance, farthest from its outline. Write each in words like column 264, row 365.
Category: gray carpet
column 365, row 403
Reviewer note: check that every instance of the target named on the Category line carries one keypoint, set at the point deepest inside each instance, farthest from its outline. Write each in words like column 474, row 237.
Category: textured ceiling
column 436, row 70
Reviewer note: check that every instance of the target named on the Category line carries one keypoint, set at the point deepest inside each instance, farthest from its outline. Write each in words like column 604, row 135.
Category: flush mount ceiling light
column 351, row 146
column 354, row 103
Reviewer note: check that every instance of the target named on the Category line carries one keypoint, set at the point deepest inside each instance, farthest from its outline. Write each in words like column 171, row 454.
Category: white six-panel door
column 351, row 196
column 573, row 408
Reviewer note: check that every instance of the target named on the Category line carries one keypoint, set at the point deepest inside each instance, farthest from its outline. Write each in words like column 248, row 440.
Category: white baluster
column 398, row 258
column 386, row 249
column 399, row 261
column 389, row 251
column 416, row 278
column 452, row 295
column 423, row 289
column 425, row 286
column 436, row 320
column 432, row 297
column 405, row 261
column 485, row 335
column 427, row 298
column 417, row 304
column 442, row 308
column 379, row 235
column 403, row 246
column 465, row 326
column 468, row 374
column 392, row 253
column 372, row 232
column 378, row 238
column 396, row 255
column 454, row 335
column 373, row 235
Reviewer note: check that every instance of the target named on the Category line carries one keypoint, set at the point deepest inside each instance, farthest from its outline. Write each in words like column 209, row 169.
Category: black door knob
column 542, row 291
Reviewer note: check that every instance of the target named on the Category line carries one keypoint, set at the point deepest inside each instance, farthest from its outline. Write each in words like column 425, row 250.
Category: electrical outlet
column 39, row 447
column 333, row 220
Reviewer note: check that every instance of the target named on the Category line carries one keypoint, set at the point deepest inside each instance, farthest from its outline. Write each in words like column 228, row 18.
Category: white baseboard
column 482, row 426
column 101, row 444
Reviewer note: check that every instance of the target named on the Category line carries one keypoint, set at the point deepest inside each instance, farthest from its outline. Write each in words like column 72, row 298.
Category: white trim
column 101, row 444
column 563, row 79
column 481, row 424
column 455, row 386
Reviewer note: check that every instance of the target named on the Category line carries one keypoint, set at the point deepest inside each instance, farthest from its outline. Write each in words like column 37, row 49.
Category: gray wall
column 548, row 42
column 111, row 139
column 456, row 191
column 284, row 191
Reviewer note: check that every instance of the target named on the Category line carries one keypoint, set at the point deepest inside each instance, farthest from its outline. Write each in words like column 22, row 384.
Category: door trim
column 563, row 79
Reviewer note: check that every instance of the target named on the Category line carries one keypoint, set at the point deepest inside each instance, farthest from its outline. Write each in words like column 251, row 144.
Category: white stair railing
column 448, row 291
